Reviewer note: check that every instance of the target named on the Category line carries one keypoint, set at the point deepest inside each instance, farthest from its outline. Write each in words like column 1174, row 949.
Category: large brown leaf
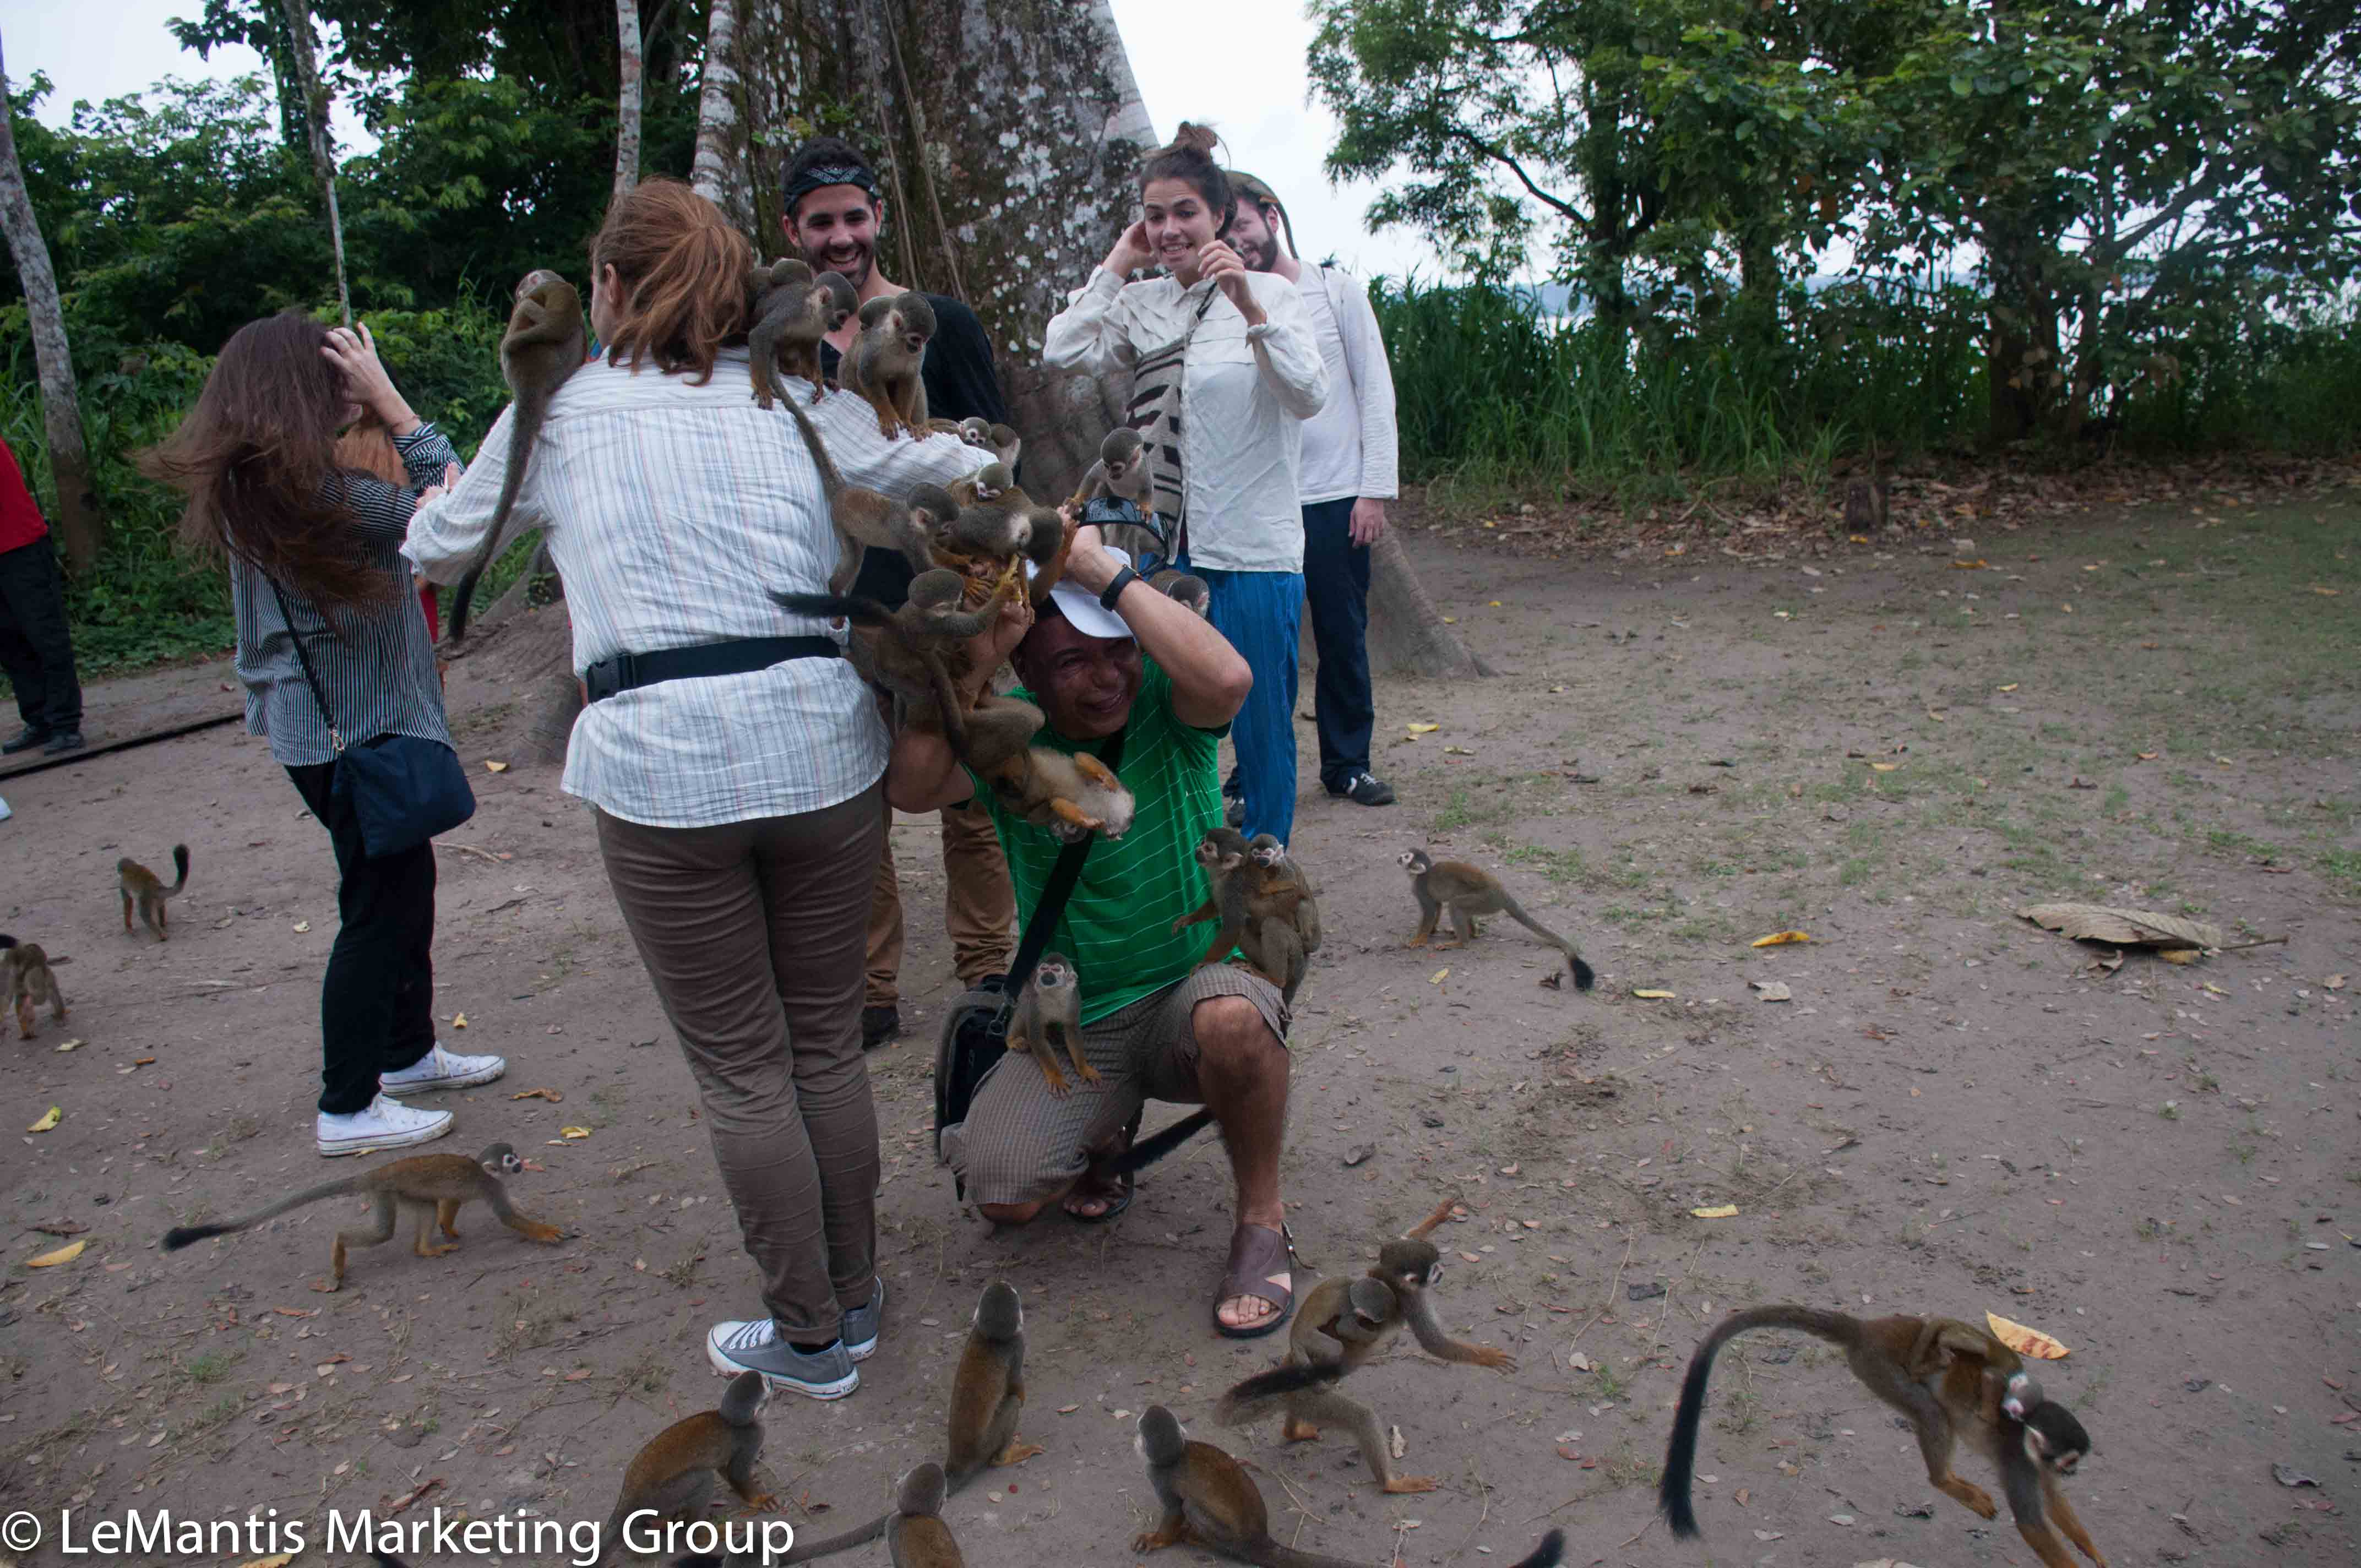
column 2125, row 927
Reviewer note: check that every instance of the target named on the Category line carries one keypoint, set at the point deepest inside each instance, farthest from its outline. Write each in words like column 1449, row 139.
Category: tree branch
column 1500, row 154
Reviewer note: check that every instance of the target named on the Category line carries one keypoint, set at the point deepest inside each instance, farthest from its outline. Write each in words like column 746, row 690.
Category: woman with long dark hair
column 1225, row 370
column 730, row 757
column 315, row 554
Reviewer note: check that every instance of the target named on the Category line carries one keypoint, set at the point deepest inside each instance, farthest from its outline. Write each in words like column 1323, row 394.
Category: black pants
column 1336, row 589
column 375, row 1001
column 34, row 646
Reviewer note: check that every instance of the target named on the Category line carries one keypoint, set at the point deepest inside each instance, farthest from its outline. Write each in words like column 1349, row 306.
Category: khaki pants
column 752, row 934
column 979, row 907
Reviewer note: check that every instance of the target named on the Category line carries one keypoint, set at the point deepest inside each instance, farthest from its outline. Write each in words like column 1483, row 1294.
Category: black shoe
column 24, row 739
column 1365, row 789
column 62, row 742
column 879, row 1024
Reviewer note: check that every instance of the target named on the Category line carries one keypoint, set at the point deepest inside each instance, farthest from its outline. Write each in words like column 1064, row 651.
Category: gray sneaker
column 755, row 1346
column 862, row 1324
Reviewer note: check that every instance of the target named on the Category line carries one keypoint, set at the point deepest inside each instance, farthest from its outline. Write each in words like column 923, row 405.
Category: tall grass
column 1493, row 396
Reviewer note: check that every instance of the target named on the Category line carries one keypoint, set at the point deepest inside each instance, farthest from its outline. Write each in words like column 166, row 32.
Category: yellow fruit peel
column 2025, row 1341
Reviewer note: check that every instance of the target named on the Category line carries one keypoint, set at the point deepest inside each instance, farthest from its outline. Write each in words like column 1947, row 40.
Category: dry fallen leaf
column 576, row 1133
column 492, row 767
column 2333, row 982
column 1772, row 990
column 1649, row 995
column 1884, row 767
column 65, row 1253
column 2178, row 955
column 2010, row 687
column 1779, row 938
column 2124, row 928
column 276, row 1560
column 2025, row 1341
column 69, row 1045
column 1421, row 729
column 46, row 1122
column 1396, row 1443
column 303, row 926
column 1718, row 1211
column 459, row 1021
column 552, row 1095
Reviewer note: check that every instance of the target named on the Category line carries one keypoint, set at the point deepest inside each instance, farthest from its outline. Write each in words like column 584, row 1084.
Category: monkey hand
column 1492, row 1356
column 1155, row 1540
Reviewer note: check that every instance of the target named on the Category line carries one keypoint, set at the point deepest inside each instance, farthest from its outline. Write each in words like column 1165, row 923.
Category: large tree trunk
column 1406, row 631
column 526, row 643
column 626, row 97
column 1009, row 189
column 81, row 524
column 719, row 174
column 315, row 133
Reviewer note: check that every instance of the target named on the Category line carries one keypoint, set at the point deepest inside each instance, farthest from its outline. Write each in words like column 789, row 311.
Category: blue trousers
column 1261, row 614
column 1336, row 586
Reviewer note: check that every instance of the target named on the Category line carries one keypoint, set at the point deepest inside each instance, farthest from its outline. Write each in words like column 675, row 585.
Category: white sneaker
column 439, row 1069
column 385, row 1125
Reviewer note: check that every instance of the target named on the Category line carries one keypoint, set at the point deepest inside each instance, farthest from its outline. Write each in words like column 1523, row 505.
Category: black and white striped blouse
column 376, row 660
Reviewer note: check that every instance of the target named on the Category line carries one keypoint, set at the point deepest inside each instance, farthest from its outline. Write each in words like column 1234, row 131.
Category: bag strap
column 319, row 695
column 1063, row 877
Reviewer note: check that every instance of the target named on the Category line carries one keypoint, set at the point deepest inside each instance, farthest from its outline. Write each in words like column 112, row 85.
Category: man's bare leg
column 1242, row 1068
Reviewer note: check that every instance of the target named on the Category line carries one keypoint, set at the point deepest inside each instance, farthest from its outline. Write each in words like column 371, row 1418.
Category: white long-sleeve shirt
column 1244, row 395
column 1349, row 447
column 671, row 510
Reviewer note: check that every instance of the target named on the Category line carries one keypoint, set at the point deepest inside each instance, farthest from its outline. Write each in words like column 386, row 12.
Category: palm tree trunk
column 315, row 132
column 81, row 524
column 627, row 97
column 718, row 152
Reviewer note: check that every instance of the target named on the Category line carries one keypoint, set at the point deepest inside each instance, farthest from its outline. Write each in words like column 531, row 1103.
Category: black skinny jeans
column 376, row 999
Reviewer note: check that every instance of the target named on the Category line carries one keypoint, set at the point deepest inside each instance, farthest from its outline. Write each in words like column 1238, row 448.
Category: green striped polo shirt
column 1118, row 926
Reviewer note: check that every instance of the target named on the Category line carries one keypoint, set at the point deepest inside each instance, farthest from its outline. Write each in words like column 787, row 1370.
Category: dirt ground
column 1953, row 1112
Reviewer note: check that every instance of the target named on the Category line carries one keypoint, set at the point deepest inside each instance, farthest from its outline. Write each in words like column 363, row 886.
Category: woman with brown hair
column 730, row 757
column 315, row 554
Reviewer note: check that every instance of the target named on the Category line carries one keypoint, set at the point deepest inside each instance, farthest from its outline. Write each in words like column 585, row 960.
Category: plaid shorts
column 1022, row 1145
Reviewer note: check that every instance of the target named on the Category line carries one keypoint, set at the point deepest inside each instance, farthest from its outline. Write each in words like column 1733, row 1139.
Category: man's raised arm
column 1210, row 680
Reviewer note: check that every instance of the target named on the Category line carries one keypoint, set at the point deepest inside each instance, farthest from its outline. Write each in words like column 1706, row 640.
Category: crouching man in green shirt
column 1108, row 653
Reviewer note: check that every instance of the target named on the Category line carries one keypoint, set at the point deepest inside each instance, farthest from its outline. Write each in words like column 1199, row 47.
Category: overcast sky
column 1236, row 65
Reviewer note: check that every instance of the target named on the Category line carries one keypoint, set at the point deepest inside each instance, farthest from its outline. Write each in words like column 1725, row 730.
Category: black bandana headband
column 813, row 179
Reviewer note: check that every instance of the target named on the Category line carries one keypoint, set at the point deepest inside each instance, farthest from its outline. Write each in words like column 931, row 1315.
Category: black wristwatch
column 1123, row 578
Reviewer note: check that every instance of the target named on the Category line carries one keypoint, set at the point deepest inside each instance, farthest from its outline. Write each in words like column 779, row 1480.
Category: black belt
column 625, row 672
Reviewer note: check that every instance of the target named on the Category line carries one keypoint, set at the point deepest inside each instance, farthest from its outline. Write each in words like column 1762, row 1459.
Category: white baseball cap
column 1081, row 607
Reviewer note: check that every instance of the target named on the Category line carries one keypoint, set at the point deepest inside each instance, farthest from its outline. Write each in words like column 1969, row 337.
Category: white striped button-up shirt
column 671, row 512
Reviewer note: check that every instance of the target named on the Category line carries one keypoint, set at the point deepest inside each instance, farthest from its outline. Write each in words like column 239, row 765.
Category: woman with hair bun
column 731, row 759
column 1225, row 370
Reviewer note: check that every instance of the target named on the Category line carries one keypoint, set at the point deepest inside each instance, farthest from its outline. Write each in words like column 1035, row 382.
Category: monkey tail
column 180, row 1236
column 860, row 1535
column 1680, row 1454
column 1142, row 1155
column 523, row 430
column 858, row 608
column 831, row 481
column 179, row 865
column 1271, row 1554
column 1548, row 1554
column 1584, row 977
column 1249, row 1401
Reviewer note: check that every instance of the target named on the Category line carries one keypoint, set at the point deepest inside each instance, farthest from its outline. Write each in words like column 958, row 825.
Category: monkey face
column 538, row 278
column 2054, row 1438
column 1052, row 975
column 1413, row 861
column 976, row 433
column 2021, row 1395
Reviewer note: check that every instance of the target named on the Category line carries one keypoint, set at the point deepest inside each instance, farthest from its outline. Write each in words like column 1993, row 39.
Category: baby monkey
column 433, row 1187
column 1209, row 1501
column 985, row 437
column 31, row 982
column 793, row 312
column 1343, row 1322
column 1049, row 1015
column 910, row 657
column 1185, row 588
column 1121, row 470
column 143, row 889
column 1470, row 891
column 672, row 1478
column 1952, row 1380
column 1072, row 796
column 1264, row 906
column 863, row 518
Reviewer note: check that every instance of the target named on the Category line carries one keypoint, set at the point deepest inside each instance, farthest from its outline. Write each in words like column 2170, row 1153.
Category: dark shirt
column 960, row 384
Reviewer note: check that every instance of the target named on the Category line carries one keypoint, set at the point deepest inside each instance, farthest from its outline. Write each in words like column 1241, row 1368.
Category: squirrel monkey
column 793, row 312
column 1260, row 902
column 882, row 365
column 987, row 1398
column 1185, row 588
column 1952, row 1380
column 1049, row 1015
column 997, row 439
column 1209, row 1501
column 545, row 344
column 861, row 517
column 1121, row 470
column 144, row 888
column 1072, row 796
column 912, row 654
column 916, row 1537
column 1470, row 891
column 433, row 1187
column 1342, row 1322
column 673, row 1476
column 31, row 982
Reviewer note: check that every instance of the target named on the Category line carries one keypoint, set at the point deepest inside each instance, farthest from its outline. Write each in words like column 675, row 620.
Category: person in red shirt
column 35, row 647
